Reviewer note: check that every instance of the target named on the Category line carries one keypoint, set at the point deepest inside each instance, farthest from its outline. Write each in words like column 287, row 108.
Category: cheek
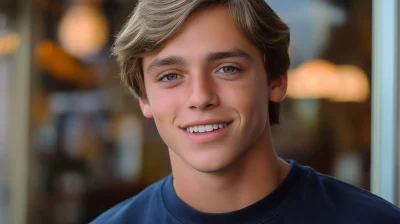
column 250, row 96
column 164, row 106
column 251, row 103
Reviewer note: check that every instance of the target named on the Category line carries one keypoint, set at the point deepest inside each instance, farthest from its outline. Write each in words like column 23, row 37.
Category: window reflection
column 92, row 146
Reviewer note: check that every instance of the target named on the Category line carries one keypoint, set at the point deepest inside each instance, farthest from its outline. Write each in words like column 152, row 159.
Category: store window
column 9, row 42
column 327, row 114
column 91, row 145
column 92, row 148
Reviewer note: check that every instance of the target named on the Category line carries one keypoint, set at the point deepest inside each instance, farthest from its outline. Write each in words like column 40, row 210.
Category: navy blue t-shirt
column 305, row 196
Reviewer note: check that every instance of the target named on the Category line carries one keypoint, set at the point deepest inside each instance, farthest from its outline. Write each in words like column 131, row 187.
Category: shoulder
column 352, row 202
column 134, row 207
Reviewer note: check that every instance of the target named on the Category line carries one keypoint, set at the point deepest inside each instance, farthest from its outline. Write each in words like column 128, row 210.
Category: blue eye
column 228, row 69
column 169, row 77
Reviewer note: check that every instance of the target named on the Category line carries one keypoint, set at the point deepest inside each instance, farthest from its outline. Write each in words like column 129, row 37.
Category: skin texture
column 211, row 73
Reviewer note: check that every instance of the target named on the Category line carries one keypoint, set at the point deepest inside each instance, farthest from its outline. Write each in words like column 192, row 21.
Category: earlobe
column 145, row 107
column 277, row 89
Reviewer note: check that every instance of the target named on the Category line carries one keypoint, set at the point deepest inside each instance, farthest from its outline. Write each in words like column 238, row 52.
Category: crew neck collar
column 258, row 212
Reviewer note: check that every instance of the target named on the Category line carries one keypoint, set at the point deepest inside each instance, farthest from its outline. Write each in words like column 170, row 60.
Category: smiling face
column 207, row 92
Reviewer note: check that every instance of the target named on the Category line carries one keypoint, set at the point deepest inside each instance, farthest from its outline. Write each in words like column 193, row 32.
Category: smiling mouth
column 202, row 129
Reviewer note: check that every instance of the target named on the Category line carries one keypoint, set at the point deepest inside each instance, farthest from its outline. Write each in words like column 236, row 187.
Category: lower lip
column 206, row 137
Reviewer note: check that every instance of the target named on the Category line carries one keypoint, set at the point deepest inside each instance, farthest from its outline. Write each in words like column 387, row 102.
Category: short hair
column 153, row 22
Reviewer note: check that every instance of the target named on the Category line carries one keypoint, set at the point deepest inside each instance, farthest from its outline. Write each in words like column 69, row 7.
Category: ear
column 277, row 89
column 145, row 106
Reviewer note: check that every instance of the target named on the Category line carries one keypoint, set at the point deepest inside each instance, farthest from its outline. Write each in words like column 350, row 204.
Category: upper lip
column 204, row 122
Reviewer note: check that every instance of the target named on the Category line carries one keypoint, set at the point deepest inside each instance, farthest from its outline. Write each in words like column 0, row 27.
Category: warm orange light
column 83, row 30
column 9, row 43
column 354, row 85
column 321, row 79
column 61, row 65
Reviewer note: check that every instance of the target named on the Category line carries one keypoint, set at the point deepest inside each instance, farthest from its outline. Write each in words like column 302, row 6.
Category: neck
column 247, row 181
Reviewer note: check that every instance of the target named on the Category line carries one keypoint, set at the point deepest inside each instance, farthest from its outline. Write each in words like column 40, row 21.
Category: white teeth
column 202, row 128
column 205, row 128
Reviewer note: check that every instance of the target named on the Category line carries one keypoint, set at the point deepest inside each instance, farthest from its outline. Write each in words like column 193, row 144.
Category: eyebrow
column 171, row 60
column 176, row 60
column 234, row 53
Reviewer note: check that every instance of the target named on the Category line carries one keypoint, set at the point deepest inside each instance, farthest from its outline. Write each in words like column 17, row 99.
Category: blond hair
column 153, row 22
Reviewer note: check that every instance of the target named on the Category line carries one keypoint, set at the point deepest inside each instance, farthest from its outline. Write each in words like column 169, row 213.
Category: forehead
column 206, row 30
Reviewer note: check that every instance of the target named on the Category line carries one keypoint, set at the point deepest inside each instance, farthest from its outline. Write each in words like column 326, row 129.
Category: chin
column 209, row 168
column 214, row 163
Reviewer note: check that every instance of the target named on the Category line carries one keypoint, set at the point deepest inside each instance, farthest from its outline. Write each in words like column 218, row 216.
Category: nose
column 202, row 93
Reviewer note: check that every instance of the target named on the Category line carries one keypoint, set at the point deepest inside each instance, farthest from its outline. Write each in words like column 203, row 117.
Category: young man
column 211, row 73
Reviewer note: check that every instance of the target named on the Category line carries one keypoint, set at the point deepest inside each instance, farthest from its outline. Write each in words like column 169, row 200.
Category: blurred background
column 73, row 142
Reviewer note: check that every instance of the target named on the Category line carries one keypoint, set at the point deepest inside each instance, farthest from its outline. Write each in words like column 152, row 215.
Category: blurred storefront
column 82, row 142
column 9, row 41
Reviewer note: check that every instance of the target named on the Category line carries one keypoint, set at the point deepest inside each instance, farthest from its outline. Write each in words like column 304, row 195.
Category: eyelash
column 229, row 66
column 166, row 75
column 173, row 73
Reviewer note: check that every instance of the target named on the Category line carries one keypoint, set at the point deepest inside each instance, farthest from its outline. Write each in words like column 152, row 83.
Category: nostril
column 206, row 106
column 209, row 105
column 202, row 101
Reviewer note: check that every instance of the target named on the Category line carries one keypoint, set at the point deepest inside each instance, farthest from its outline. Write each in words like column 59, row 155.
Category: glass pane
column 93, row 148
column 9, row 41
column 327, row 114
